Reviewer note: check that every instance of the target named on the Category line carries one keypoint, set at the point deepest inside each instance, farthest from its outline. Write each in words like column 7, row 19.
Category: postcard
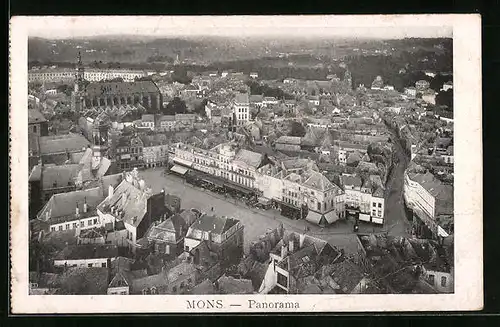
column 224, row 164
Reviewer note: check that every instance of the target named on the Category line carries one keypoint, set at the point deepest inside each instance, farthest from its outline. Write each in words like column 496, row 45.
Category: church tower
column 79, row 88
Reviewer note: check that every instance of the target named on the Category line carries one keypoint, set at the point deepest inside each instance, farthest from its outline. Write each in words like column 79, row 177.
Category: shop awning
column 313, row 217
column 183, row 162
column 364, row 217
column 238, row 188
column 179, row 170
column 331, row 216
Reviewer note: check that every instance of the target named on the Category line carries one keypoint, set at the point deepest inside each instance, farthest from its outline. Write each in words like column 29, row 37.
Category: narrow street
column 396, row 222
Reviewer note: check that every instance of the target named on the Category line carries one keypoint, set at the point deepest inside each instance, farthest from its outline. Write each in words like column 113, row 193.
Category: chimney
column 291, row 246
column 110, row 191
column 77, row 210
column 283, row 251
column 85, row 205
column 302, row 237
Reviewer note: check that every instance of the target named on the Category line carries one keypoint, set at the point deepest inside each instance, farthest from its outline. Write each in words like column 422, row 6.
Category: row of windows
column 377, row 213
column 375, row 205
column 432, row 280
column 74, row 225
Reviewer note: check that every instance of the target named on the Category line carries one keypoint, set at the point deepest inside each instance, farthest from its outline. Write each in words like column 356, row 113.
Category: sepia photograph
column 271, row 159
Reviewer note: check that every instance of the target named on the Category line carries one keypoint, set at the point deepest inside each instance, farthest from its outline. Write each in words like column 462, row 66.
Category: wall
column 449, row 288
column 97, row 262
column 85, row 223
column 124, row 290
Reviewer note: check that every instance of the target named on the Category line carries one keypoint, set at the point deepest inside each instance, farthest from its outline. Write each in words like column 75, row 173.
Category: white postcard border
column 468, row 187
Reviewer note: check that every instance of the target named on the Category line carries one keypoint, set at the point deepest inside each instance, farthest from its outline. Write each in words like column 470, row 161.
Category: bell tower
column 79, row 87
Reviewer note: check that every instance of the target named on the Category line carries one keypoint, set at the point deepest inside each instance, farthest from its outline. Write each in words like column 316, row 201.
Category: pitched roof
column 242, row 98
column 231, row 285
column 64, row 204
column 345, row 274
column 289, row 140
column 351, row 181
column 318, row 181
column 59, row 176
column 62, row 143
column 87, row 251
column 140, row 284
column 203, row 288
column 119, row 88
column 212, row 223
column 133, row 208
column 179, row 271
column 35, row 116
column 252, row 159
column 169, row 230
column 84, row 281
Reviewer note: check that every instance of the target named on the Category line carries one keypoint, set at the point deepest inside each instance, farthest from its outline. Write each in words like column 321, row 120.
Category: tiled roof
column 87, row 251
column 204, row 288
column 214, row 224
column 133, row 208
column 35, row 116
column 181, row 270
column 84, row 281
column 63, row 143
column 64, row 204
column 139, row 284
column 351, row 181
column 148, row 118
column 252, row 159
column 242, row 98
column 119, row 88
column 318, row 181
column 345, row 274
column 169, row 230
column 231, row 285
column 289, row 140
column 59, row 176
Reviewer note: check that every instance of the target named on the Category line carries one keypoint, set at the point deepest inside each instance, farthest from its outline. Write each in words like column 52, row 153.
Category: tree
column 200, row 108
column 297, row 129
column 176, row 106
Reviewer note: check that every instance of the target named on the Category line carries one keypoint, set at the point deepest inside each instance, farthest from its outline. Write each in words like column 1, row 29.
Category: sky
column 375, row 26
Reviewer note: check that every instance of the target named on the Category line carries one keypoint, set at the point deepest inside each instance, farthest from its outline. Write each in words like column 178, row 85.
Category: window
column 103, row 265
column 186, row 248
column 431, row 279
column 374, row 212
column 319, row 206
column 60, row 227
column 443, row 281
column 67, row 226
column 374, row 204
column 95, row 221
column 380, row 205
column 90, row 265
column 282, row 280
column 74, row 225
column 52, row 229
column 83, row 223
column 89, row 222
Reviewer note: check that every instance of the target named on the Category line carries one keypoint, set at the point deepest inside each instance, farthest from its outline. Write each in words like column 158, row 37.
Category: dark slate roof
column 84, row 281
column 87, row 251
column 62, row 143
column 35, row 116
column 214, row 224
column 121, row 88
column 231, row 285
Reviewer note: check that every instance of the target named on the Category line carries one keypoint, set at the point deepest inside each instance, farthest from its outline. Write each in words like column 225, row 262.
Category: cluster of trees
column 257, row 88
column 176, row 106
column 364, row 69
column 159, row 58
column 297, row 129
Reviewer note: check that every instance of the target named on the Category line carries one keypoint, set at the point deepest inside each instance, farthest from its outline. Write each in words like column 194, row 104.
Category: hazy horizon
column 262, row 27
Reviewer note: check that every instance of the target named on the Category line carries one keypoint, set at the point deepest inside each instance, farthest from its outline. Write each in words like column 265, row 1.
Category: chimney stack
column 283, row 251
column 77, row 210
column 302, row 237
column 110, row 191
column 291, row 246
column 85, row 205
